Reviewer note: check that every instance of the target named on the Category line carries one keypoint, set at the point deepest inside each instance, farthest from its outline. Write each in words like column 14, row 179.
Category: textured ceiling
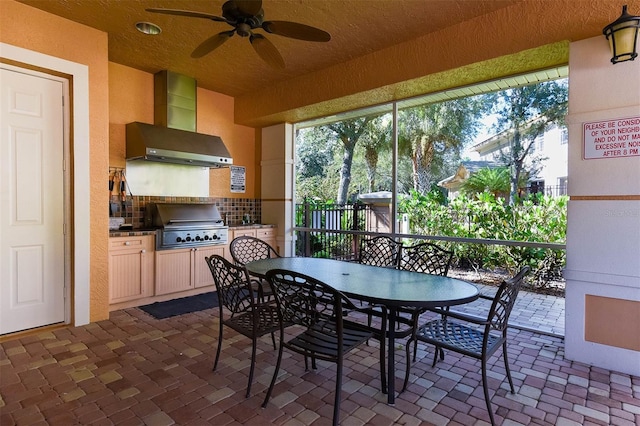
column 357, row 28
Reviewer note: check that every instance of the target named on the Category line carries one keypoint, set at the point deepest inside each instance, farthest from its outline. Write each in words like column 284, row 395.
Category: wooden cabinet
column 184, row 269
column 201, row 273
column 268, row 235
column 131, row 262
column 239, row 232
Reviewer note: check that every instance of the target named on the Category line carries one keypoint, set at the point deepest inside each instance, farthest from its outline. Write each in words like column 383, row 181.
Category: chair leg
column 435, row 356
column 383, row 368
column 506, row 365
column 406, row 373
column 415, row 351
column 215, row 363
column 485, row 386
column 337, row 397
column 275, row 372
column 369, row 320
column 252, row 366
column 273, row 340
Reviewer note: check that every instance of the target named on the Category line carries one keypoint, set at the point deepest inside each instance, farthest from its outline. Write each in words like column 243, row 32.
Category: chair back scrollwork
column 379, row 251
column 504, row 300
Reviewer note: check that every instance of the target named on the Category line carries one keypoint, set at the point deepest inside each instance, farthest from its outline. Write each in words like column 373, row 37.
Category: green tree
column 348, row 132
column 376, row 137
column 524, row 113
column 427, row 132
column 494, row 181
column 314, row 152
column 315, row 174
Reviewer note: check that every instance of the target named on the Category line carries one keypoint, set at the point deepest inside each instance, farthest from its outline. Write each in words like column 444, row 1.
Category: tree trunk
column 345, row 174
column 421, row 161
column 371, row 158
column 516, row 167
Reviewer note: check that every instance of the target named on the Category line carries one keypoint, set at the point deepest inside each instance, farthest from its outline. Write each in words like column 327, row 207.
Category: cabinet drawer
column 244, row 232
column 145, row 242
column 266, row 233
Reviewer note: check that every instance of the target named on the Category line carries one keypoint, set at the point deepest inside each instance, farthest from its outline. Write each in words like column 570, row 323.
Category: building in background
column 550, row 148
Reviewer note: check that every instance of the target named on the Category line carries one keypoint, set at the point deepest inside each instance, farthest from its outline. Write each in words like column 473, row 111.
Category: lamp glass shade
column 623, row 36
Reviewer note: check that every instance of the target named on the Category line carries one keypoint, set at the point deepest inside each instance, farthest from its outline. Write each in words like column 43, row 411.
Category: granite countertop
column 251, row 226
column 141, row 232
column 131, row 232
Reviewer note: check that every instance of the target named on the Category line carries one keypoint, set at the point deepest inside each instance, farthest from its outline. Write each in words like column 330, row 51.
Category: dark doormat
column 183, row 305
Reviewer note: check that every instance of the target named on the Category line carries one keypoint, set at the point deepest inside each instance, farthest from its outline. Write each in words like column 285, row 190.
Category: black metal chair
column 472, row 336
column 245, row 249
column 379, row 251
column 427, row 258
column 323, row 334
column 247, row 316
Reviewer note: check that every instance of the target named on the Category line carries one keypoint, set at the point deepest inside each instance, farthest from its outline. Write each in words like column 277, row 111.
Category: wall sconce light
column 623, row 36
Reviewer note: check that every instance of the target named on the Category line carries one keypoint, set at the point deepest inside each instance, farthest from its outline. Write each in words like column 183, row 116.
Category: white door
column 32, row 241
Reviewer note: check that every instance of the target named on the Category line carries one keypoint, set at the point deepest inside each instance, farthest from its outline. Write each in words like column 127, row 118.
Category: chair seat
column 456, row 336
column 267, row 321
column 321, row 339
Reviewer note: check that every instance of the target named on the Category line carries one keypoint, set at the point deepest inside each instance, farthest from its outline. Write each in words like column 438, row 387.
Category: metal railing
column 327, row 230
column 549, row 190
column 333, row 231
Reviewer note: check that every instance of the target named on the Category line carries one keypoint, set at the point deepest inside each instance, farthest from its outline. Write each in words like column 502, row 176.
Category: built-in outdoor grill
column 186, row 225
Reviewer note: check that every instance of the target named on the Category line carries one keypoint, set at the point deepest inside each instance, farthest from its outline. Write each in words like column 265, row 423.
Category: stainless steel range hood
column 173, row 138
column 165, row 145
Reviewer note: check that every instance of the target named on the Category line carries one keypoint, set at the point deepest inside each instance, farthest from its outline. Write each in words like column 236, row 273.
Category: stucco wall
column 131, row 99
column 32, row 29
column 603, row 232
column 519, row 38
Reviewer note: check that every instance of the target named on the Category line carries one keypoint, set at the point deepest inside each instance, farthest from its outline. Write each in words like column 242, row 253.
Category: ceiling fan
column 245, row 16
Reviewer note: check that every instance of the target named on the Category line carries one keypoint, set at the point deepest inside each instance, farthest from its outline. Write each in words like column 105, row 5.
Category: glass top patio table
column 389, row 287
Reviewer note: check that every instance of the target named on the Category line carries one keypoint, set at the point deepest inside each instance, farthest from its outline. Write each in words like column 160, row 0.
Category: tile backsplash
column 233, row 210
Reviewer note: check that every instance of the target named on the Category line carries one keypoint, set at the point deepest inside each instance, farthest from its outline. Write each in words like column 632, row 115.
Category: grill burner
column 186, row 225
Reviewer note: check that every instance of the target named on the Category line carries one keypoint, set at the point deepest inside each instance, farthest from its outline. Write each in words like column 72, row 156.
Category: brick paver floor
column 534, row 312
column 136, row 370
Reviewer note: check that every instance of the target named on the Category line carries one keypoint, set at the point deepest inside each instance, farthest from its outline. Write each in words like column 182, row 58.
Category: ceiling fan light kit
column 245, row 16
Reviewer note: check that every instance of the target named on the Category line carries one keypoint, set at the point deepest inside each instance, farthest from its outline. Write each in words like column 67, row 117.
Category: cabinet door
column 201, row 272
column 130, row 268
column 174, row 270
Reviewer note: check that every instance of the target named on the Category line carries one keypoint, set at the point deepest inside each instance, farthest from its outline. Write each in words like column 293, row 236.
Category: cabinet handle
column 143, row 251
column 127, row 243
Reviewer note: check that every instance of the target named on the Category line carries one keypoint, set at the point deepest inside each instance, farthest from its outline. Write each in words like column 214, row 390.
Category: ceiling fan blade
column 296, row 30
column 267, row 51
column 211, row 44
column 248, row 7
column 188, row 13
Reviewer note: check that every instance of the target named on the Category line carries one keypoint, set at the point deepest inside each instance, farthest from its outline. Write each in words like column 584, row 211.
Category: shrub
column 483, row 216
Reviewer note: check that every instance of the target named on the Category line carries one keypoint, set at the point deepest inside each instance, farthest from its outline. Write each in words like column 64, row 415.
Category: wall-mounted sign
column 238, row 179
column 619, row 137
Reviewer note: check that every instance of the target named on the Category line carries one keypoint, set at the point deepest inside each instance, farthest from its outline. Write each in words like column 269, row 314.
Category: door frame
column 77, row 168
